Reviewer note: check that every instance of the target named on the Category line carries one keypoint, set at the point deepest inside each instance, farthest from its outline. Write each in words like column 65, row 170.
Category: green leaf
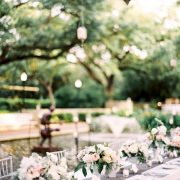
column 79, row 166
column 84, row 171
column 100, row 168
column 91, row 169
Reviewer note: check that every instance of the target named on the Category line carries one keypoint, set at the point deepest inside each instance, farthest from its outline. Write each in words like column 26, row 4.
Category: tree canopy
column 126, row 52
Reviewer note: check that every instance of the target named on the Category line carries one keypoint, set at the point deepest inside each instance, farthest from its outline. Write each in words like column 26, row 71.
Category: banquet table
column 169, row 170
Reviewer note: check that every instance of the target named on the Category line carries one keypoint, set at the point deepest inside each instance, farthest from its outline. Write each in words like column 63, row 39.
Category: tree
column 40, row 29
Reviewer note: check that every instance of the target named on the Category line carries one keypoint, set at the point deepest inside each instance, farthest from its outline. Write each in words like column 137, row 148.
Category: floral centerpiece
column 96, row 158
column 158, row 142
column 174, row 145
column 42, row 168
column 134, row 149
column 158, row 137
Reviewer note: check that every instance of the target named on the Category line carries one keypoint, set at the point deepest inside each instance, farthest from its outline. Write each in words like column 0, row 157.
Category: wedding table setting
column 155, row 157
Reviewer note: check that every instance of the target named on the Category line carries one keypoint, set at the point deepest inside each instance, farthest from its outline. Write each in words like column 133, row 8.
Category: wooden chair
column 60, row 155
column 6, row 168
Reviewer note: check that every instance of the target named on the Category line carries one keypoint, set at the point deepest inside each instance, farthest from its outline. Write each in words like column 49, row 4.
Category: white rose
column 91, row 149
column 107, row 159
column 53, row 173
column 133, row 149
column 95, row 157
column 81, row 155
column 166, row 140
column 148, row 135
column 62, row 170
column 154, row 131
column 52, row 157
column 162, row 130
column 114, row 157
column 87, row 158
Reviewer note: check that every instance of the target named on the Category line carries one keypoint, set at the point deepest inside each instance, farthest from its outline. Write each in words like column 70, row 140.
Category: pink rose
column 87, row 158
column 159, row 137
column 95, row 157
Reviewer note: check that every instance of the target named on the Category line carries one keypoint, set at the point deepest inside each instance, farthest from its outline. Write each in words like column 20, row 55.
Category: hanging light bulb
column 173, row 63
column 82, row 33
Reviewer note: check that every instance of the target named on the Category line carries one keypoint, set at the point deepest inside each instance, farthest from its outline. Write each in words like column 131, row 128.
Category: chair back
column 6, row 167
column 60, row 155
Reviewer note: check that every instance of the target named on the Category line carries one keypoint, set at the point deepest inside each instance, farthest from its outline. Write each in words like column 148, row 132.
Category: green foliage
column 29, row 31
column 82, row 116
column 17, row 104
column 96, row 114
column 90, row 95
column 147, row 119
column 67, row 117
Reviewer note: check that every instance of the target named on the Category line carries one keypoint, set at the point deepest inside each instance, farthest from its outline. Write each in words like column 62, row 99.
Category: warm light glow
column 78, row 83
column 23, row 76
column 152, row 5
column 82, row 33
column 173, row 63
column 71, row 58
column 159, row 104
column 75, row 118
column 88, row 118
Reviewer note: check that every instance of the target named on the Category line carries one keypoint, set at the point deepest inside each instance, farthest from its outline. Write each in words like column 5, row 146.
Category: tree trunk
column 109, row 87
column 109, row 90
column 51, row 95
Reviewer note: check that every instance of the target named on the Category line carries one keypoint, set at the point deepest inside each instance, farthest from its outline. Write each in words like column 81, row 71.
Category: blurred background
column 106, row 56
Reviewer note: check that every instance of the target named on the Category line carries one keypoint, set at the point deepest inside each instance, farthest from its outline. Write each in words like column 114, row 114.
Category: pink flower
column 87, row 158
column 38, row 169
column 159, row 137
column 95, row 157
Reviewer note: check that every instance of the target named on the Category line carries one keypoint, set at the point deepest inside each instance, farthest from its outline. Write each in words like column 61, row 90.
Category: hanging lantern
column 173, row 63
column 82, row 33
column 127, row 1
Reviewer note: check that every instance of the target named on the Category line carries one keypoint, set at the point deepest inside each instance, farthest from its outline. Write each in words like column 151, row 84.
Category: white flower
column 112, row 154
column 133, row 148
column 52, row 157
column 63, row 162
column 171, row 120
column 88, row 158
column 81, row 154
column 107, row 159
column 162, row 130
column 91, row 149
column 62, row 170
column 166, row 140
column 52, row 171
column 144, row 149
column 148, row 135
column 154, row 131
column 26, row 163
column 95, row 157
